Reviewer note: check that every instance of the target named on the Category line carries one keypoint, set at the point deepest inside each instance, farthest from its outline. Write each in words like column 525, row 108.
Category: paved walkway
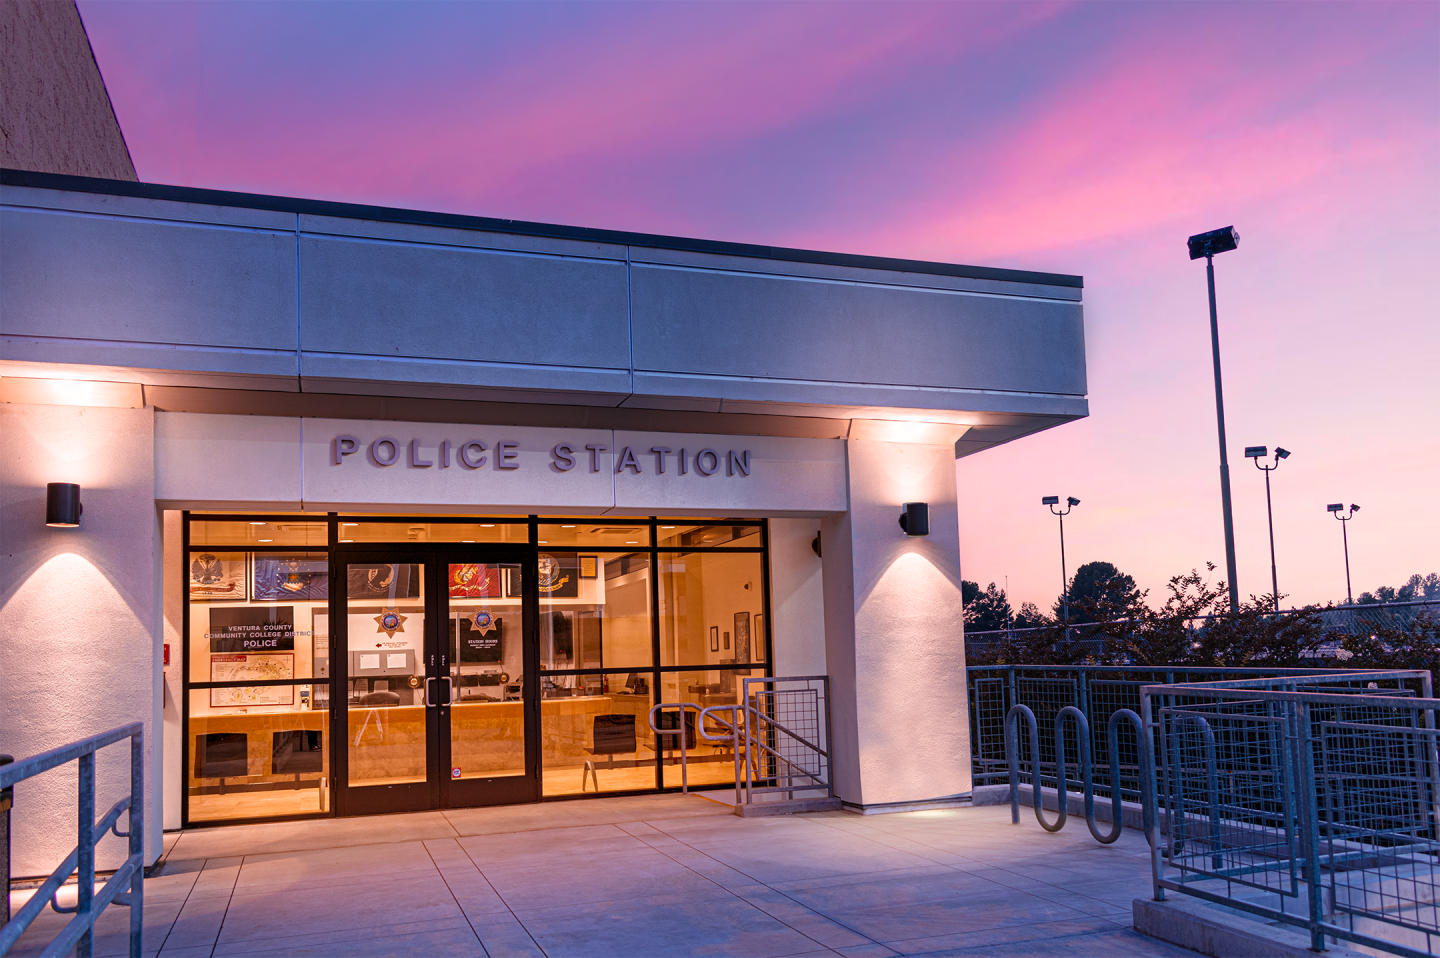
column 649, row 876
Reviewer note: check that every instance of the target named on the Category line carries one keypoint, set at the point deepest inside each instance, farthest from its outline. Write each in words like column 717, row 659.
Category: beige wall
column 797, row 598
column 894, row 635
column 78, row 614
column 55, row 115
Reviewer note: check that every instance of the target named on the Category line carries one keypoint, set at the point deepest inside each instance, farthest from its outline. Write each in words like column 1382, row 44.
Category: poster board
column 252, row 667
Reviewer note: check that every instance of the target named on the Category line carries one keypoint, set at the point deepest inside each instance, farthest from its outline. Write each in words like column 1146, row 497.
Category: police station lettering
column 564, row 457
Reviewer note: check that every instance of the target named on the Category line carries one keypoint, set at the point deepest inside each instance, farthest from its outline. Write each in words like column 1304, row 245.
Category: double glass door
column 434, row 683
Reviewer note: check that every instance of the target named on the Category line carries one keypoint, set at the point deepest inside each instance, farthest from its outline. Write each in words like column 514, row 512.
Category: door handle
column 429, row 703
column 449, row 689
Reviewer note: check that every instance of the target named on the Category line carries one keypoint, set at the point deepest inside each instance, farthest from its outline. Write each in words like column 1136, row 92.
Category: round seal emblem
column 549, row 570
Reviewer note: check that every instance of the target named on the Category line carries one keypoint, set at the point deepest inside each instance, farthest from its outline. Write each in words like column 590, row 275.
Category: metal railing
column 78, row 933
column 779, row 735
column 1336, row 622
column 1312, row 801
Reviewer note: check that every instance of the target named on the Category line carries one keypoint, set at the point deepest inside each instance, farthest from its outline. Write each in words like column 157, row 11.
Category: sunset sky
column 1073, row 138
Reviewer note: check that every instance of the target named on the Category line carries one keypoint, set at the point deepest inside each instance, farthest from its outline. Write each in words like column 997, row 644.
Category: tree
column 1030, row 617
column 987, row 610
column 1099, row 592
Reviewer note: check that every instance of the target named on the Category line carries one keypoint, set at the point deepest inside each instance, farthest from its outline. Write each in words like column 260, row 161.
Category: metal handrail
column 733, row 723
column 738, row 729
column 79, row 933
column 679, row 730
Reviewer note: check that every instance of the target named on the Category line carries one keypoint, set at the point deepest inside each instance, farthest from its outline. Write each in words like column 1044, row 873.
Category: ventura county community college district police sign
column 205, row 461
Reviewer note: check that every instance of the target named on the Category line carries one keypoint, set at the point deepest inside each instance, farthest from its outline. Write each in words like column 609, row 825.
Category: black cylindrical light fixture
column 62, row 505
column 915, row 520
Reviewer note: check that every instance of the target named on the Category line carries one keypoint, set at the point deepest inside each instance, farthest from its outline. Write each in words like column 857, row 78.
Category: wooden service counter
column 387, row 743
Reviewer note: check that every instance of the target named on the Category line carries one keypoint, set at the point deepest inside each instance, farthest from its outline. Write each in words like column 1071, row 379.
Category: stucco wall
column 55, row 116
column 78, row 614
column 894, row 631
column 797, row 598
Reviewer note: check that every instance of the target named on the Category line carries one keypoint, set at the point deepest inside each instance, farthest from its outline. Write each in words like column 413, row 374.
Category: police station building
column 388, row 510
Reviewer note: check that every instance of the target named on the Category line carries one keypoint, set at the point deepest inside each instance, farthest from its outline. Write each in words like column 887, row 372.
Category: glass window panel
column 594, row 610
column 258, row 532
column 358, row 531
column 486, row 653
column 257, row 753
column 578, row 532
column 385, row 624
column 710, row 762
column 258, row 615
column 683, row 536
column 595, row 734
column 709, row 602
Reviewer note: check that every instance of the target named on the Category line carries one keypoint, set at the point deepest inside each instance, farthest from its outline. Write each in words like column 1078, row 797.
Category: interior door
column 435, row 689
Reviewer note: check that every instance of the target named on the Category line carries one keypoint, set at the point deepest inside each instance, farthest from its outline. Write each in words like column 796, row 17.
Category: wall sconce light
column 62, row 505
column 815, row 544
column 915, row 520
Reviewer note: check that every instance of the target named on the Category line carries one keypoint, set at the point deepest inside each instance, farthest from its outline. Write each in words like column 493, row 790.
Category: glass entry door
column 433, row 686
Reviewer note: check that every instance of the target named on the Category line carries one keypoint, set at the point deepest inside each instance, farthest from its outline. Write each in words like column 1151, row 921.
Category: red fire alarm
column 167, row 654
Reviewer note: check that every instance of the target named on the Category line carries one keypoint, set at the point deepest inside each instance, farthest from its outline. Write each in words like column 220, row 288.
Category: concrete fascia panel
column 423, row 378
column 878, row 277
column 217, row 367
column 451, row 236
column 391, row 299
column 966, row 408
column 808, row 330
column 205, row 458
column 780, row 396
column 153, row 284
column 139, row 207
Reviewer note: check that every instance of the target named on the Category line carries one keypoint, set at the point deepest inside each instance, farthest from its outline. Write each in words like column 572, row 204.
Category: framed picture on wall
column 742, row 637
column 589, row 567
column 727, row 642
column 758, row 628
column 714, row 638
column 217, row 577
column 398, row 581
column 275, row 577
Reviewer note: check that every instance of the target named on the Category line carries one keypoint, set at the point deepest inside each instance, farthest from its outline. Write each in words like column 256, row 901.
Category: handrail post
column 85, row 880
column 1311, row 813
column 137, row 840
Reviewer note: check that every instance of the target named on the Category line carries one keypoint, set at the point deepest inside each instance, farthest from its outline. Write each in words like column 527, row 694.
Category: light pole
column 1257, row 453
column 1070, row 503
column 1334, row 508
column 1207, row 245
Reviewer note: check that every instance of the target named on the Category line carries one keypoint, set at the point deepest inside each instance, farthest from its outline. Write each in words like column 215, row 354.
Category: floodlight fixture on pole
column 1207, row 245
column 1070, row 503
column 1335, row 509
column 1257, row 453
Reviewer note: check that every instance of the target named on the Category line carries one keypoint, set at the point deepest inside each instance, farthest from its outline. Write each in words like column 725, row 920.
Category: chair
column 297, row 752
column 612, row 735
column 222, row 755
